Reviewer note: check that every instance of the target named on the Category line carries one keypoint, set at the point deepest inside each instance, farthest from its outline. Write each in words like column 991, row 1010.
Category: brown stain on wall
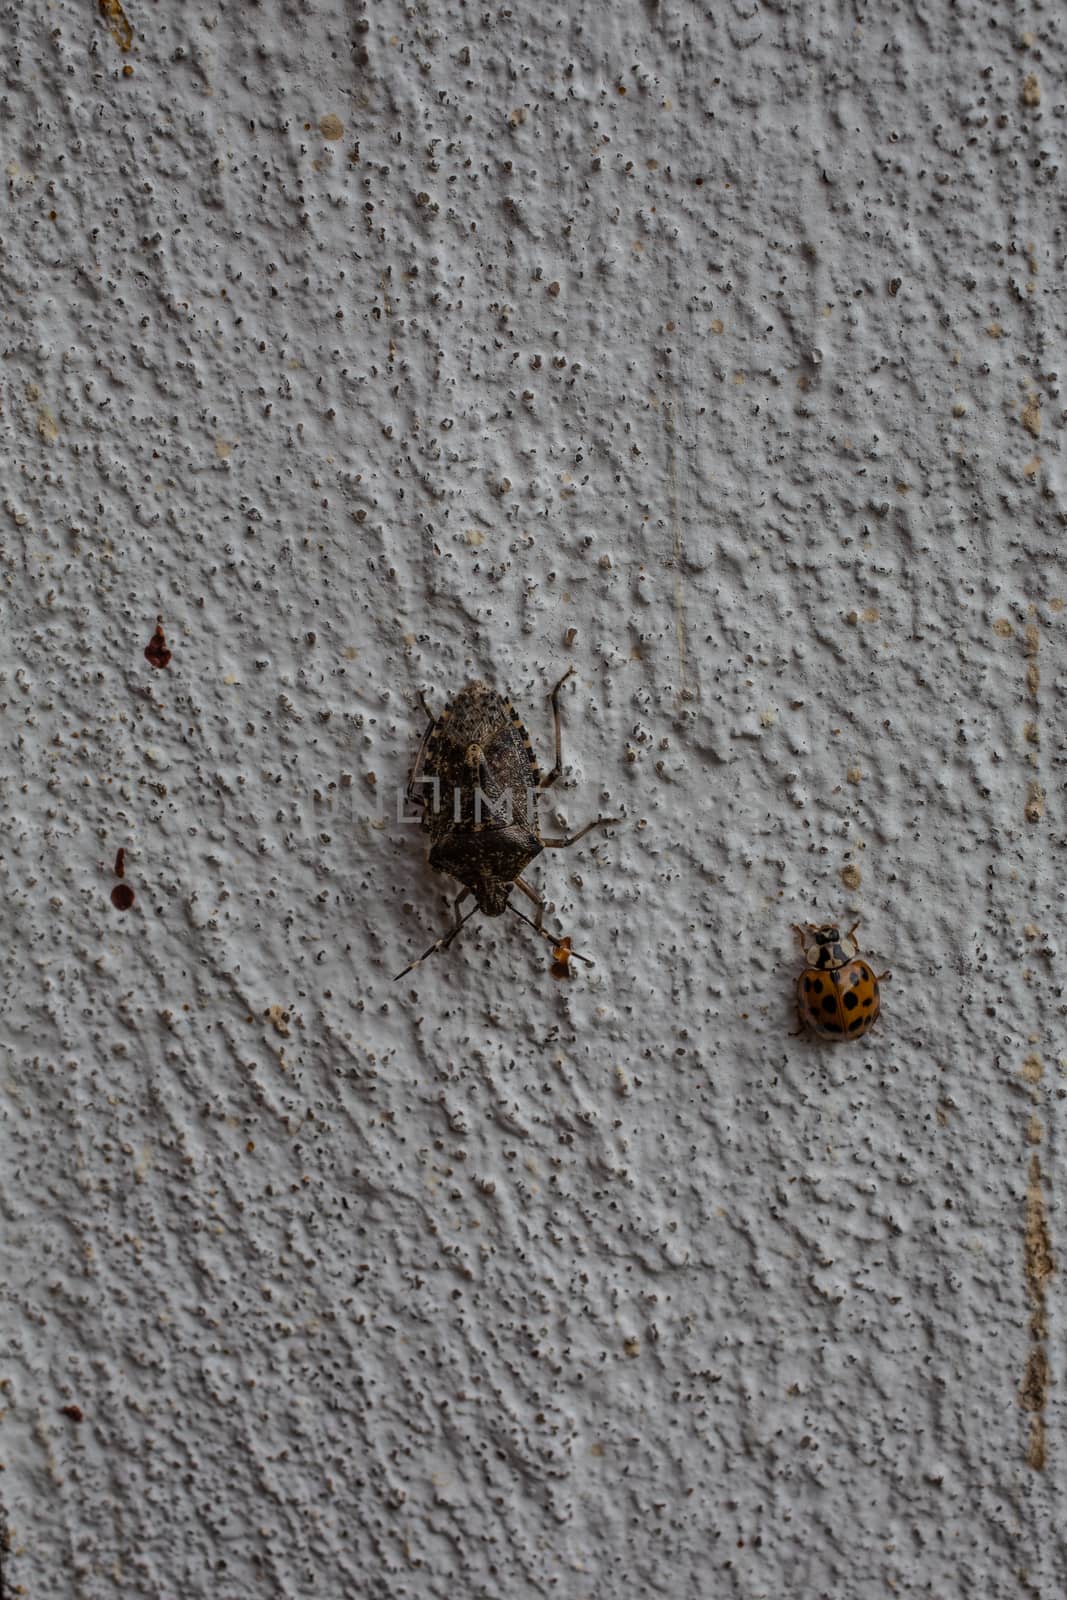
column 1039, row 1266
column 1034, row 808
column 677, row 547
column 1031, row 415
column 1032, row 643
column 118, row 23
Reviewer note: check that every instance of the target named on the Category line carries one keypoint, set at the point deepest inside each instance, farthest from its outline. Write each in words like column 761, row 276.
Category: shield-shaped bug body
column 477, row 779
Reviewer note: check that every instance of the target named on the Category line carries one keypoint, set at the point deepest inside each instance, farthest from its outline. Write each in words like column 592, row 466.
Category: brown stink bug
column 481, row 811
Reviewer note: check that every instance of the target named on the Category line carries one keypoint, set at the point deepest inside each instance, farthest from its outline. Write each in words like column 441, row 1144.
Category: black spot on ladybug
column 829, row 1003
column 857, row 976
column 808, row 985
column 815, row 985
column 868, row 1002
column 831, row 1027
column 856, row 1024
column 850, row 1000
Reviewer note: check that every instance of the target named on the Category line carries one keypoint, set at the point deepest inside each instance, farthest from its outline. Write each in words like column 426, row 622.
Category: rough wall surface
column 716, row 352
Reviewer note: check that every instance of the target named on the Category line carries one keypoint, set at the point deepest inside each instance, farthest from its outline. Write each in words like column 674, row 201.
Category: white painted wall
column 374, row 350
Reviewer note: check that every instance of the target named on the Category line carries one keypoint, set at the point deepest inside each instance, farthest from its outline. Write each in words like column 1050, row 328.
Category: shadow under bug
column 481, row 811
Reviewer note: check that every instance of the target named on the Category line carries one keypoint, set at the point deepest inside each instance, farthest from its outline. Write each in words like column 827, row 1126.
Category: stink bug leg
column 549, row 780
column 446, row 939
column 532, row 894
column 413, row 796
column 537, row 928
column 561, row 844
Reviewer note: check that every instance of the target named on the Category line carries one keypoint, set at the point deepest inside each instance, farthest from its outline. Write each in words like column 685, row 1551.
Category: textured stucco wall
column 372, row 350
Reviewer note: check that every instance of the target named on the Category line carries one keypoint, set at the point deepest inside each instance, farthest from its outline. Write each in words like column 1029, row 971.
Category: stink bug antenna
column 438, row 944
column 546, row 936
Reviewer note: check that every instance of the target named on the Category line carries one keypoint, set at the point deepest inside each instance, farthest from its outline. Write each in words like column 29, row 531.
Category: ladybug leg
column 561, row 844
column 801, row 936
column 801, row 1027
column 852, row 934
column 550, row 778
column 884, row 977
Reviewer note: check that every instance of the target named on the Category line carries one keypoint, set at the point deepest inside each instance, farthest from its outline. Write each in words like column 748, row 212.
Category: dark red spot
column 75, row 1413
column 156, row 650
column 122, row 897
column 120, row 863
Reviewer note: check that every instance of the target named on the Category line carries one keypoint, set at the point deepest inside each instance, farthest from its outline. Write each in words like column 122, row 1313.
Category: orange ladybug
column 837, row 993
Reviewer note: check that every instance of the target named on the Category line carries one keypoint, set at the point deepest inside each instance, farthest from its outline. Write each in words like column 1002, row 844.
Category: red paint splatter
column 120, row 863
column 156, row 650
column 122, row 897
